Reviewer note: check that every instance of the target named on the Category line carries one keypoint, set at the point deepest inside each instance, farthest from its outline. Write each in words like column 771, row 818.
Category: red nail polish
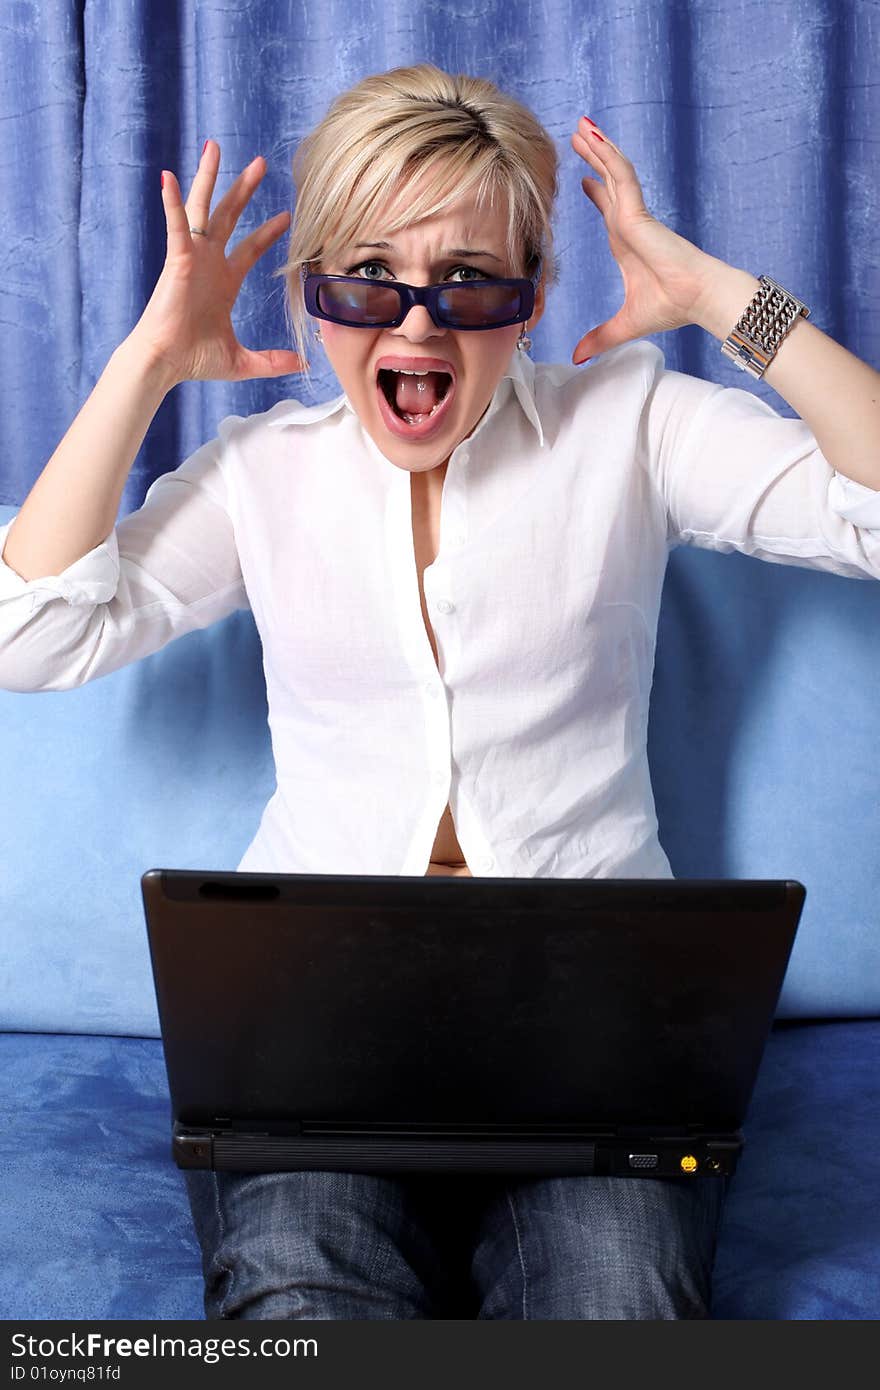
column 205, row 146
column 598, row 136
column 586, row 118
column 163, row 181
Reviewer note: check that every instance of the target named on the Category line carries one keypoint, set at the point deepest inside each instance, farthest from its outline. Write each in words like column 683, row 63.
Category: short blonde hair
column 392, row 127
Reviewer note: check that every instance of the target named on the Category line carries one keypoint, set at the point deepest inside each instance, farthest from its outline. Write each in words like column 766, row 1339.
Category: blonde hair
column 390, row 128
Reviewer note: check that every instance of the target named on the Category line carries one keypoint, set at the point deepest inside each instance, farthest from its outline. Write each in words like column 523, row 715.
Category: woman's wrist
column 726, row 293
column 148, row 365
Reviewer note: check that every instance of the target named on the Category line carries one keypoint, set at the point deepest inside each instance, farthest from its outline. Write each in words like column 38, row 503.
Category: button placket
column 438, row 748
column 474, row 844
column 437, row 582
column 453, row 522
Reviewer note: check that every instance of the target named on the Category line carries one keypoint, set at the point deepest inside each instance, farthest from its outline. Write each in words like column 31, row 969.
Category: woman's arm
column 72, row 507
column 834, row 392
column 166, row 569
column 185, row 333
column 669, row 282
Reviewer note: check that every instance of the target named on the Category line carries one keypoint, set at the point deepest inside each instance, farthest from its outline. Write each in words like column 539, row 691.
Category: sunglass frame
column 428, row 295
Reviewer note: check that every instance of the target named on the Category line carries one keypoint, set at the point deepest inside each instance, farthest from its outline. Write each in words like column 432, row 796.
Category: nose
column 418, row 325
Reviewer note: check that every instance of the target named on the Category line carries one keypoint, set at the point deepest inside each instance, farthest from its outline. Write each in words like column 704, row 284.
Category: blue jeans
column 317, row 1245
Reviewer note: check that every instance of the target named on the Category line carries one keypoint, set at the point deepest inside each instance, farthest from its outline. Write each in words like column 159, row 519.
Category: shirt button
column 487, row 864
column 444, row 606
column 459, row 538
column 433, row 690
column 465, row 457
column 439, row 777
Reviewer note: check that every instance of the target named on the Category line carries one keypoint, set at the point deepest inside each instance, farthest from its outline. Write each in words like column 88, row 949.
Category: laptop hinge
column 661, row 1131
column 426, row 1130
column 193, row 1150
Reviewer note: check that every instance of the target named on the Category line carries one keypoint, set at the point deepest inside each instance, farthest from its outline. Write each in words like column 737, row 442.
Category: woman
column 499, row 727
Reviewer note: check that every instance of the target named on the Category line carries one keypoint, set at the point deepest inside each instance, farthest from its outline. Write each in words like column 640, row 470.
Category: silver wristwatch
column 754, row 341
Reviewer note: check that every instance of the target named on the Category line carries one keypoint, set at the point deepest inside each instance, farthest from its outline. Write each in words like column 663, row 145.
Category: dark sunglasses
column 471, row 306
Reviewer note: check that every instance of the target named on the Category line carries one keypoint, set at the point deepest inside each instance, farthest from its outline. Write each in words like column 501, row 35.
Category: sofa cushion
column 762, row 743
column 96, row 1222
column 801, row 1232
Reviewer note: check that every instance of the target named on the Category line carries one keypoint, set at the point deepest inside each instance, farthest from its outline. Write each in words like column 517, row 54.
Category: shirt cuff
column 854, row 502
column 91, row 579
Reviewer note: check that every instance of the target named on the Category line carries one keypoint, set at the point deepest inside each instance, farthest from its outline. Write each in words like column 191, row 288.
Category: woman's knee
column 598, row 1248
column 313, row 1245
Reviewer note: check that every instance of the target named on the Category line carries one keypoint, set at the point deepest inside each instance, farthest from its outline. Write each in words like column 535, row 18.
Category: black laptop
column 487, row 1025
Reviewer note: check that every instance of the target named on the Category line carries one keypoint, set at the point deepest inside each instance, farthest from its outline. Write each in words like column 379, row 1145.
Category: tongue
column 416, row 395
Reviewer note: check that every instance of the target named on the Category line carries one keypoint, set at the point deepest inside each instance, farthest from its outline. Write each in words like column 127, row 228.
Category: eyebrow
column 446, row 255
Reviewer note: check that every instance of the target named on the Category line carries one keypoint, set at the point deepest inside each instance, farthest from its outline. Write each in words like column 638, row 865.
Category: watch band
column 754, row 341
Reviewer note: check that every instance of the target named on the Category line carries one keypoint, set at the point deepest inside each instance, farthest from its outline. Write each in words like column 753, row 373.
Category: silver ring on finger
column 198, row 231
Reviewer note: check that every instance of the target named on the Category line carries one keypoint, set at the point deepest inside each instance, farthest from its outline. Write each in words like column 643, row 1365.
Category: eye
column 362, row 265
column 469, row 270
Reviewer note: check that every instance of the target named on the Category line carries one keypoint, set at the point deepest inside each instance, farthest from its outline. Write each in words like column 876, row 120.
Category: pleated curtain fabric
column 754, row 128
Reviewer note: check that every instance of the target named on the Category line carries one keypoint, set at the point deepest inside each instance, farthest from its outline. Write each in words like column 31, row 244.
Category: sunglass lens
column 477, row 305
column 361, row 304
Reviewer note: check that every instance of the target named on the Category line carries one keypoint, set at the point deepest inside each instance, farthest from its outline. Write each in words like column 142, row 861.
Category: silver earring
column 523, row 342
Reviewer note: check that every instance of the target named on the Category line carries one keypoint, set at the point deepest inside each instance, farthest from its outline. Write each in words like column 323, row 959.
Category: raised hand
column 187, row 324
column 664, row 275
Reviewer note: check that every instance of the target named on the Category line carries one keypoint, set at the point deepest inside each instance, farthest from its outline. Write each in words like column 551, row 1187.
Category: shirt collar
column 520, row 371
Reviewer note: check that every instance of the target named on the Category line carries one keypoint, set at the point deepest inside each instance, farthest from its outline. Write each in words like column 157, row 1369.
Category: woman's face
column 428, row 253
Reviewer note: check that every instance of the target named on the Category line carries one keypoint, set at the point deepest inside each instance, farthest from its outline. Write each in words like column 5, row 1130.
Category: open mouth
column 413, row 404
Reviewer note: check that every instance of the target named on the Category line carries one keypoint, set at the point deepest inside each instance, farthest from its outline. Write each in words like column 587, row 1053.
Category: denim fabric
column 316, row 1245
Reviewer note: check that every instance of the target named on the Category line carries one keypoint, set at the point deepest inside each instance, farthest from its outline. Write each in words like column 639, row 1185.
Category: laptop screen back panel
column 325, row 1000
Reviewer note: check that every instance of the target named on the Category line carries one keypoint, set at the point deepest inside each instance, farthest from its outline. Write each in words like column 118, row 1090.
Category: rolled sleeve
column 855, row 502
column 166, row 569
column 734, row 474
column 91, row 579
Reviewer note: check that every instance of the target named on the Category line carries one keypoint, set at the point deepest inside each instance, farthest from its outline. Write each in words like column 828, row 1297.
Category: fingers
column 620, row 180
column 198, row 200
column 251, row 248
column 233, row 203
column 603, row 338
column 601, row 143
column 196, row 213
column 197, row 210
column 270, row 362
column 597, row 194
column 595, row 148
column 176, row 220
column 220, row 224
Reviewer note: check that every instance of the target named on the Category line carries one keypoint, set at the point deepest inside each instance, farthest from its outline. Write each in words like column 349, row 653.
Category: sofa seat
column 95, row 1224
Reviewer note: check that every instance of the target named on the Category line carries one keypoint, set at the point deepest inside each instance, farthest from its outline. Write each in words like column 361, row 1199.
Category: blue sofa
column 762, row 741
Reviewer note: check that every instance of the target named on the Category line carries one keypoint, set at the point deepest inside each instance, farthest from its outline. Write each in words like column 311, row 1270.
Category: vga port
column 643, row 1160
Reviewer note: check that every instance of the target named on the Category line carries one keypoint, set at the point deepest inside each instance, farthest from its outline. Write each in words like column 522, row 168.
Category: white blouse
column 558, row 513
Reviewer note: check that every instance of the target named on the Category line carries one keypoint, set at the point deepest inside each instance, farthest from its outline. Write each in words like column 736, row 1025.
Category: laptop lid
column 346, row 1009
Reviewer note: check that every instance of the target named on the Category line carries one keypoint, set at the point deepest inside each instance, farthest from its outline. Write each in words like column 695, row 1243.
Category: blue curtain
column 754, row 127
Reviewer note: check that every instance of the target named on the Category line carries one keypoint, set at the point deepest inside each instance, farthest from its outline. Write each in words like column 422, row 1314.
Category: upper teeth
column 403, row 371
